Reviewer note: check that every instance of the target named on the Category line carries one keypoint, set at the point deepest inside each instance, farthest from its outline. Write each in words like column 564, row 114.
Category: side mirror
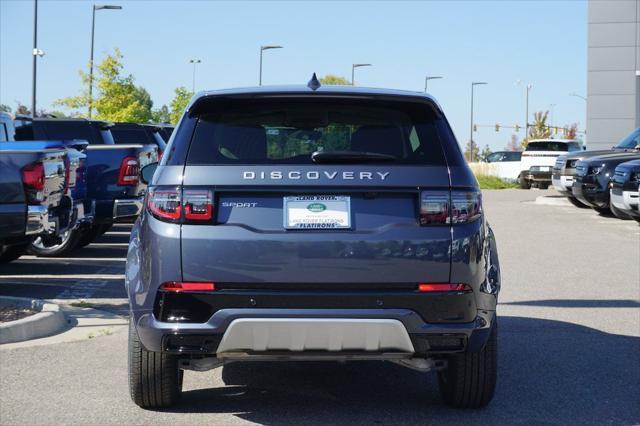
column 146, row 174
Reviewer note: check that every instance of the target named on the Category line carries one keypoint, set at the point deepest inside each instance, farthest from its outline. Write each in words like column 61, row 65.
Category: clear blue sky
column 539, row 42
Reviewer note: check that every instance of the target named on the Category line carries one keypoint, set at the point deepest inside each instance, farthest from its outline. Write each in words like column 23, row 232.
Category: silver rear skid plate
column 315, row 334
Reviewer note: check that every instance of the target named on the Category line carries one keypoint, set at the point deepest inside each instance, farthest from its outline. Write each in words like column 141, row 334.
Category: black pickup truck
column 113, row 170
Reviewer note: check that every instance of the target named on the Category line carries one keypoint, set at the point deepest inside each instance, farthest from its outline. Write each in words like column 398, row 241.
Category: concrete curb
column 50, row 320
column 553, row 200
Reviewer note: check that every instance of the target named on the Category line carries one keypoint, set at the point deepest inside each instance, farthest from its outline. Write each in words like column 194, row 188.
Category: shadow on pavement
column 577, row 303
column 549, row 372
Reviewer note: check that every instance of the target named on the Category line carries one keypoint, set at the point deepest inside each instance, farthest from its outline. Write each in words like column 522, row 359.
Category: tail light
column 440, row 287
column 198, row 204
column 444, row 207
column 165, row 203
column 179, row 287
column 33, row 181
column 129, row 171
column 186, row 206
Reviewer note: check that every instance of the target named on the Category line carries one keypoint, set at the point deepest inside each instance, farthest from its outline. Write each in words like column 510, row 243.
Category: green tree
column 22, row 109
column 179, row 103
column 486, row 151
column 161, row 115
column 5, row 108
column 330, row 79
column 539, row 129
column 116, row 97
column 471, row 151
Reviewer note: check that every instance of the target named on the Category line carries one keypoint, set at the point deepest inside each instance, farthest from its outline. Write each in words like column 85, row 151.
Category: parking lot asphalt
column 569, row 342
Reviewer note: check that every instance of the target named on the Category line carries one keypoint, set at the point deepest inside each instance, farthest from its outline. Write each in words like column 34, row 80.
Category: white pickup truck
column 538, row 160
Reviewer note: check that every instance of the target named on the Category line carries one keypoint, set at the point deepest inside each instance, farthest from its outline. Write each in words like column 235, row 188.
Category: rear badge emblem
column 316, row 207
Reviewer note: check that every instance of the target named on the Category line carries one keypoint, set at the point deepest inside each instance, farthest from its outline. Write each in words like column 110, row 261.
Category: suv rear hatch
column 314, row 191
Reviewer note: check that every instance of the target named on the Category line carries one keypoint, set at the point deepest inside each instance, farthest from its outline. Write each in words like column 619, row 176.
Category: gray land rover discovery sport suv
column 312, row 223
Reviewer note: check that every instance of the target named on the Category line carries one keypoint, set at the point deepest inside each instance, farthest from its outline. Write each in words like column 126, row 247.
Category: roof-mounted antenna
column 314, row 83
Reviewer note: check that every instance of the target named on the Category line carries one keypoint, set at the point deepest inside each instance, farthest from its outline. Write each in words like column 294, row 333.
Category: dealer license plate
column 317, row 212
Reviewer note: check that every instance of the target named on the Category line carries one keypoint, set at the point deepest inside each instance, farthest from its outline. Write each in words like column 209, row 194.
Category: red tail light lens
column 466, row 206
column 198, row 204
column 33, row 182
column 434, row 207
column 440, row 287
column 129, row 171
column 164, row 203
column 180, row 287
column 442, row 207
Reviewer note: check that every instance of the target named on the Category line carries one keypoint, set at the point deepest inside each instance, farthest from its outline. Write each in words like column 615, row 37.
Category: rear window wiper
column 350, row 157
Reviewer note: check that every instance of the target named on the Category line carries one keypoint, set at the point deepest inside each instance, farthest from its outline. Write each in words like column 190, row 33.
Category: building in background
column 613, row 80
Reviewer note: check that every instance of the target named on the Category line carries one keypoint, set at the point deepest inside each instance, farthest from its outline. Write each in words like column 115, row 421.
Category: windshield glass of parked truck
column 553, row 146
column 279, row 131
column 630, row 142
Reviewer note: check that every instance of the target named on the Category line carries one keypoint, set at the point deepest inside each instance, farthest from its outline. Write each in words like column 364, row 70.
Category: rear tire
column 469, row 381
column 67, row 245
column 155, row 380
column 543, row 185
column 524, row 184
column 573, row 200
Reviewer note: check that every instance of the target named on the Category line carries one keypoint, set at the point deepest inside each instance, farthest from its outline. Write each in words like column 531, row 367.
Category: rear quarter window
column 288, row 131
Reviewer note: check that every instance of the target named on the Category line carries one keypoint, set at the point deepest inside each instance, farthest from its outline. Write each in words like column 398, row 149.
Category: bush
column 494, row 182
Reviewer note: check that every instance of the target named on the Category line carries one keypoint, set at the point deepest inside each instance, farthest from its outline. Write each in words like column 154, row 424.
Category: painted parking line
column 77, row 259
column 98, row 276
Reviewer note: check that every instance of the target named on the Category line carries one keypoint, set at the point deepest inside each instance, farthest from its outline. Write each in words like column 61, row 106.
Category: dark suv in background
column 312, row 223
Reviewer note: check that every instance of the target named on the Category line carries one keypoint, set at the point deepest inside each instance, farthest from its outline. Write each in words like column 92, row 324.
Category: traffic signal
column 517, row 128
column 497, row 127
column 475, row 127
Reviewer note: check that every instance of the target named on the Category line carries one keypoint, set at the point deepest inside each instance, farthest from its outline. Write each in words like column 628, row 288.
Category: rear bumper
column 127, row 209
column 537, row 176
column 299, row 331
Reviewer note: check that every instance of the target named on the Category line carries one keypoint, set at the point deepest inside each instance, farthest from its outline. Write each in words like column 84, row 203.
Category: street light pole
column 578, row 96
column 353, row 69
column 471, row 143
column 193, row 81
column 93, row 27
column 526, row 122
column 262, row 49
column 35, row 58
column 426, row 81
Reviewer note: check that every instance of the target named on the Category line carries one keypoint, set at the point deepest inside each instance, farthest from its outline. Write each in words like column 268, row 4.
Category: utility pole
column 193, row 81
column 526, row 122
column 35, row 58
column 471, row 142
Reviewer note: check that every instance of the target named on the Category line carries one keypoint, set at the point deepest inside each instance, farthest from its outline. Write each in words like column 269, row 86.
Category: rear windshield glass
column 630, row 142
column 68, row 130
column 130, row 136
column 553, row 146
column 277, row 131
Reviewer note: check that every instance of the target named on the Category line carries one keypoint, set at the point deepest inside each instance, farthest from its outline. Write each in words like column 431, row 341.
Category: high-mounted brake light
column 442, row 207
column 129, row 171
column 440, row 287
column 179, row 287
